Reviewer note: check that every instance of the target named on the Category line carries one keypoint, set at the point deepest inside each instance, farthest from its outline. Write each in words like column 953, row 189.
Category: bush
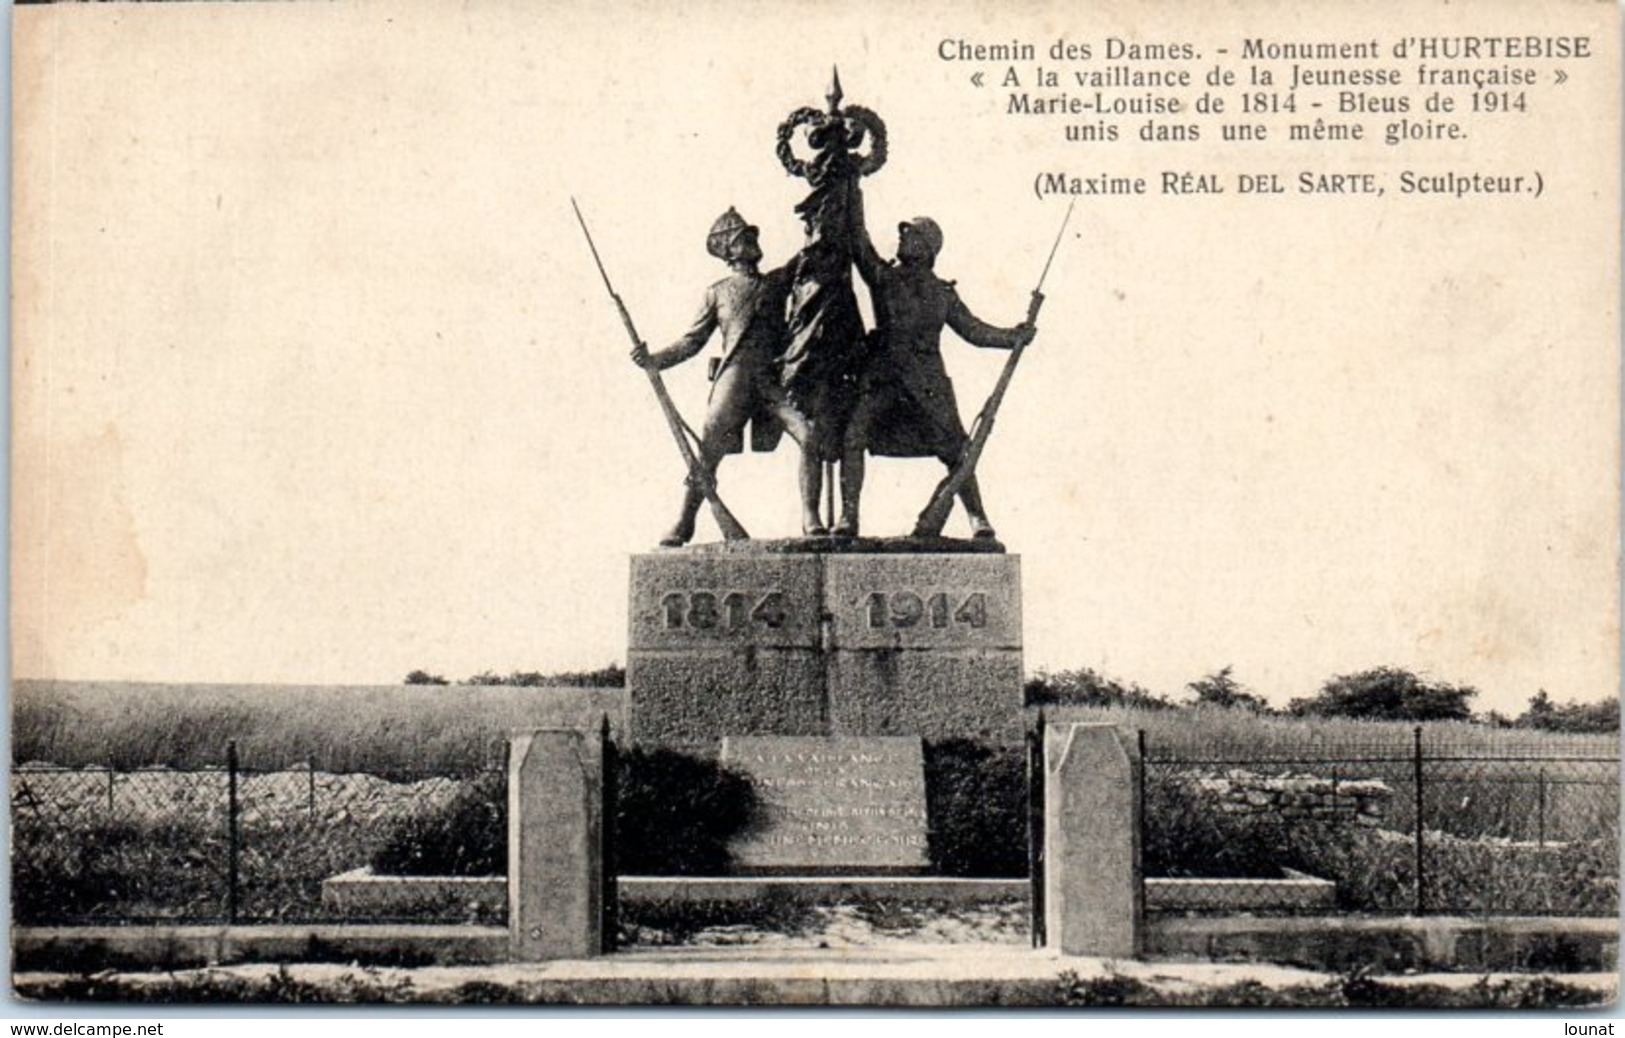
column 1087, row 687
column 612, row 676
column 466, row 837
column 976, row 800
column 678, row 812
column 1387, row 694
column 1548, row 716
column 1221, row 689
column 117, row 869
column 676, row 816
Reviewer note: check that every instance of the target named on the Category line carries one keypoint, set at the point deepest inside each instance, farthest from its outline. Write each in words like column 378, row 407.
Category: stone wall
column 1293, row 796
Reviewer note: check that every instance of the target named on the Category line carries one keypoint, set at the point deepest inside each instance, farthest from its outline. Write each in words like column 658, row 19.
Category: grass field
column 1218, row 733
column 380, row 729
column 421, row 728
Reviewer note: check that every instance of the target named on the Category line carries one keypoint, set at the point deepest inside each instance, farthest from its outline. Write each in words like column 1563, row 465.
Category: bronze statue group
column 796, row 357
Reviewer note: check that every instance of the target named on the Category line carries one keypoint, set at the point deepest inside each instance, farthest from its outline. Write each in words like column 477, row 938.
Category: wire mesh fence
column 1417, row 826
column 1413, row 825
column 233, row 843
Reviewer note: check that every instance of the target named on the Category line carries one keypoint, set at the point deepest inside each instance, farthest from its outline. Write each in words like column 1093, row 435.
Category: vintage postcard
column 946, row 503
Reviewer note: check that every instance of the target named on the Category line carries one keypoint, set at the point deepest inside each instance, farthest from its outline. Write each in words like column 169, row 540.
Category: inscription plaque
column 842, row 804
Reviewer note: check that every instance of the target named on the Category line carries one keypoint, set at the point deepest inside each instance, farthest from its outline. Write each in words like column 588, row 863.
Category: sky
column 314, row 380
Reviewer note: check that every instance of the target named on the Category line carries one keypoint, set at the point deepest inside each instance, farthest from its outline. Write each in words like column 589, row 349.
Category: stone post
column 555, row 845
column 1093, row 895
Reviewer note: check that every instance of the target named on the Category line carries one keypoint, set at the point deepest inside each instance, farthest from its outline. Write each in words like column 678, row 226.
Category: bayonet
column 935, row 514
column 698, row 475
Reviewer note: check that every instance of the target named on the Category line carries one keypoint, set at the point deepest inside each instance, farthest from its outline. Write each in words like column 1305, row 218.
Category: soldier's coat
column 748, row 309
column 918, row 414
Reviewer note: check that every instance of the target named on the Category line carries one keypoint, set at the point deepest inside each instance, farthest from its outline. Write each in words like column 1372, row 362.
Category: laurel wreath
column 864, row 117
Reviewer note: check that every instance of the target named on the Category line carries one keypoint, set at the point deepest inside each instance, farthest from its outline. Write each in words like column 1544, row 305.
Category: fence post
column 1140, row 777
column 1540, row 812
column 310, row 788
column 1421, row 874
column 1140, row 814
column 231, row 832
column 1035, row 829
column 109, row 789
column 610, row 863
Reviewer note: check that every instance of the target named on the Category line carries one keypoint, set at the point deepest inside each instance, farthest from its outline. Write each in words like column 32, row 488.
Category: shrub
column 1387, row 694
column 1087, row 687
column 612, row 676
column 466, row 837
column 976, row 800
column 117, row 869
column 1544, row 714
column 677, row 813
column 1221, row 689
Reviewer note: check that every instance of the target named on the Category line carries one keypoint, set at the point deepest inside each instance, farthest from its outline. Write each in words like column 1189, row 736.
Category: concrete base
column 901, row 975
column 1387, row 943
column 362, row 894
column 1295, row 892
column 796, row 638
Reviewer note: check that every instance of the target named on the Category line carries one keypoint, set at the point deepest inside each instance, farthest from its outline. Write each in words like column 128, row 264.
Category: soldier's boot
column 847, row 526
column 851, row 492
column 812, row 485
column 683, row 531
column 970, row 495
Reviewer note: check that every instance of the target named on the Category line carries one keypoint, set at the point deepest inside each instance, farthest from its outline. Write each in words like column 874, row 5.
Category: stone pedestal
column 825, row 638
column 555, row 846
column 1093, row 899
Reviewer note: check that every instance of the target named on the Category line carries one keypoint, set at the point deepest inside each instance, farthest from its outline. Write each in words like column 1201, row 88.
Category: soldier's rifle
column 935, row 514
column 698, row 476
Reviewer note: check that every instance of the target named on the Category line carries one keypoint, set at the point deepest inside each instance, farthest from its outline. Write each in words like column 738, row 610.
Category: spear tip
column 834, row 96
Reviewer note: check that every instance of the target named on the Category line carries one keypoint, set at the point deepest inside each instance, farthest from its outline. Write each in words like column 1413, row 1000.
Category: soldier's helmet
column 729, row 225
column 926, row 229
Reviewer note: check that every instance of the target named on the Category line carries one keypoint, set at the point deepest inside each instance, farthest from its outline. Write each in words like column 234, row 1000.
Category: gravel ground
column 864, row 925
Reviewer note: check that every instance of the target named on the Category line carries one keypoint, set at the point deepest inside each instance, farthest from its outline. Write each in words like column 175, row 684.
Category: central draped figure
column 824, row 351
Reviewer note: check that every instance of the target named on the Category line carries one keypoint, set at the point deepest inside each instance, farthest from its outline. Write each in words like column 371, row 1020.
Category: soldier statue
column 748, row 307
column 825, row 337
column 906, row 405
column 794, row 354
